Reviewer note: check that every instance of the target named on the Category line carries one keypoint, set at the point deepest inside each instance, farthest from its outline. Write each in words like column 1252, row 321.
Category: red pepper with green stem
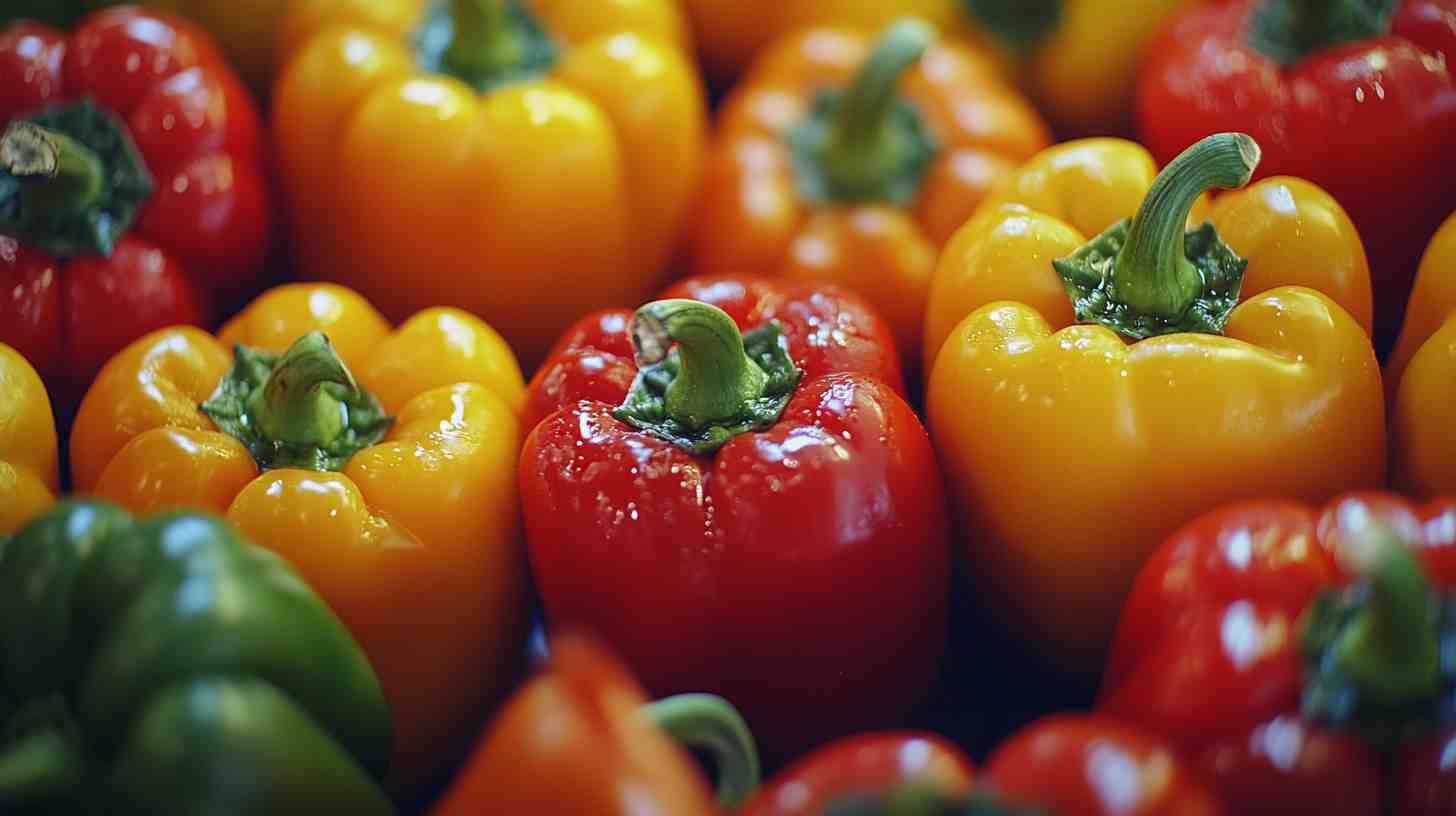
column 1283, row 648
column 132, row 193
column 749, row 507
column 1356, row 96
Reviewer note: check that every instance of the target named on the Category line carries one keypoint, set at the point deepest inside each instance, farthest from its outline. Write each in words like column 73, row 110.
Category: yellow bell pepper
column 408, row 527
column 29, row 466
column 1070, row 451
column 1077, row 58
column 1421, row 376
column 544, row 171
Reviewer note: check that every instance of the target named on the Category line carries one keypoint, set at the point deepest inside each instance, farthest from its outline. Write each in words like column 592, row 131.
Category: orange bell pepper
column 29, row 466
column 1420, row 376
column 851, row 160
column 1072, row 452
column 580, row 737
column 407, row 527
column 540, row 168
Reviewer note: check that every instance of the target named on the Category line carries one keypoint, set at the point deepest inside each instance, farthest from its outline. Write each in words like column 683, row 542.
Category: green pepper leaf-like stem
column 1287, row 30
column 711, row 724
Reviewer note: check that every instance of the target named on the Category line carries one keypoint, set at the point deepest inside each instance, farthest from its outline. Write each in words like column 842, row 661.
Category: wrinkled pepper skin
column 1287, row 401
column 177, row 668
column 747, row 573
column 1420, row 377
column 1373, row 121
column 415, row 544
column 418, row 190
column 29, row 465
column 573, row 740
column 1208, row 654
column 753, row 213
column 200, row 240
column 1082, row 71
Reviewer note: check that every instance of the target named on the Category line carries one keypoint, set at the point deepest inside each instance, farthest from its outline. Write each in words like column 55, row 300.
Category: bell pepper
column 29, row 465
column 1078, row 58
column 167, row 665
column 1420, row 376
column 1354, row 95
column 1282, row 648
column 393, row 494
column 756, row 515
column 1204, row 402
column 545, row 143
column 851, row 160
column 1060, row 765
column 132, row 193
column 580, row 737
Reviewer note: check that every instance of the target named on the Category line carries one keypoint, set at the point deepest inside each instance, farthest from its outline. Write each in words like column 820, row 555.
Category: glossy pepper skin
column 29, row 466
column 1287, row 400
column 419, row 189
column 746, row 572
column 1368, row 119
column 1209, row 654
column 1077, row 58
column 199, row 238
column 1064, row 764
column 414, row 542
column 1420, row 376
column 168, row 665
column 758, row 211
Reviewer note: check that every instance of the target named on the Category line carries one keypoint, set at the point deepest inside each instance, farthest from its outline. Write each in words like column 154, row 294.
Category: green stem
column 296, row 404
column 1287, row 30
column 1022, row 23
column 1152, row 274
column 63, row 176
column 484, row 41
column 715, row 378
column 1391, row 648
column 863, row 144
column 711, row 724
column 44, row 764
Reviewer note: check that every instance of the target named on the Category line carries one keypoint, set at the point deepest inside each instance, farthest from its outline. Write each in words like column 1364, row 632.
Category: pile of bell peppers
column 894, row 408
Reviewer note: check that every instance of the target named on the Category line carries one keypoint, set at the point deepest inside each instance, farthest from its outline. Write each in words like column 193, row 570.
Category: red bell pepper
column 131, row 188
column 760, row 517
column 1356, row 96
column 1061, row 765
column 1282, row 648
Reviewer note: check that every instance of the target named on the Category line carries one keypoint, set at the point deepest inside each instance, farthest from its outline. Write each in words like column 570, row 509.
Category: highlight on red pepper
column 1283, row 649
column 728, row 485
column 132, row 193
column 1356, row 96
column 581, row 737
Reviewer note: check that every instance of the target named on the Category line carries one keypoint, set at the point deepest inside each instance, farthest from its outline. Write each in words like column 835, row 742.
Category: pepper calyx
column 1286, row 30
column 1022, row 24
column 485, row 43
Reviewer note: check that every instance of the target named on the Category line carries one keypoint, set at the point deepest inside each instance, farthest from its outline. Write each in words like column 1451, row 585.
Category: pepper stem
column 296, row 404
column 484, row 42
column 1286, row 30
column 716, row 377
column 1152, row 274
column 1391, row 647
column 63, row 175
column 709, row 723
column 44, row 764
column 1022, row 23
column 863, row 143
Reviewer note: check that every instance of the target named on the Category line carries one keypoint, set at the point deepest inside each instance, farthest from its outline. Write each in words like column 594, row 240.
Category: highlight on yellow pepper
column 1093, row 395
column 29, row 465
column 528, row 162
column 850, row 158
column 1420, row 376
column 1077, row 58
column 381, row 463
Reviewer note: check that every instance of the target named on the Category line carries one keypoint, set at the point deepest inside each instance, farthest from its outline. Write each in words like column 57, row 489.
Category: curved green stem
column 62, row 175
column 1152, row 274
column 716, row 378
column 1287, row 30
column 709, row 723
column 863, row 144
column 44, row 764
column 296, row 404
column 484, row 42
